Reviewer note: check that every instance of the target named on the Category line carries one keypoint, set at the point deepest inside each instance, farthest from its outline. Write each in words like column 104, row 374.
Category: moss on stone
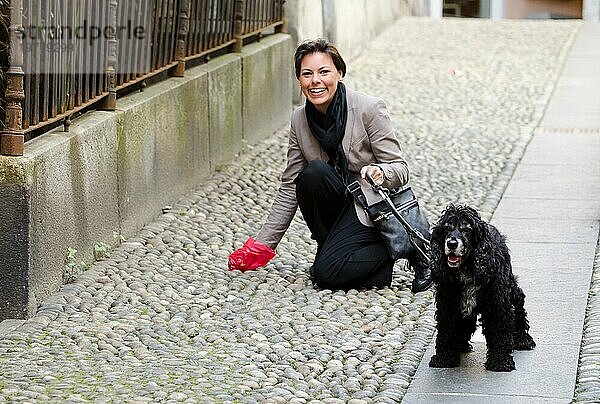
column 16, row 171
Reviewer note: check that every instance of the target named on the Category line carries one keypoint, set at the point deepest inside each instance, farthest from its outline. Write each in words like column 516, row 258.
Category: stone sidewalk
column 162, row 320
column 551, row 214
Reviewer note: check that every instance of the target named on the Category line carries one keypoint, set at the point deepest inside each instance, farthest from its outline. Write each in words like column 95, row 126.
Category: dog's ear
column 439, row 271
column 483, row 255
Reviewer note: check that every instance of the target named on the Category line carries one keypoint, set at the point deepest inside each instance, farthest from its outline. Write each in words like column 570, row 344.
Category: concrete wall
column 264, row 100
column 114, row 171
column 349, row 24
column 305, row 19
column 163, row 146
column 419, row 8
column 591, row 10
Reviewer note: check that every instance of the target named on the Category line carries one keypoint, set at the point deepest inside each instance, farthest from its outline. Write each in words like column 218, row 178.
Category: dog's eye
column 466, row 228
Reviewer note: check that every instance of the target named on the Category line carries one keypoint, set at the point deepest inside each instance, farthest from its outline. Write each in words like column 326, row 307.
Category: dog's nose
column 452, row 244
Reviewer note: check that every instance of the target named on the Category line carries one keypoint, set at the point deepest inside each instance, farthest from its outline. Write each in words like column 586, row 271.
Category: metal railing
column 69, row 55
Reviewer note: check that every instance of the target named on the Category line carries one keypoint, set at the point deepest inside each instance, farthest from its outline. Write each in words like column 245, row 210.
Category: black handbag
column 398, row 217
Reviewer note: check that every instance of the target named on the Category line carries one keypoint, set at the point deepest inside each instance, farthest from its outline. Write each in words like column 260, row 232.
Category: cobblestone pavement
column 163, row 320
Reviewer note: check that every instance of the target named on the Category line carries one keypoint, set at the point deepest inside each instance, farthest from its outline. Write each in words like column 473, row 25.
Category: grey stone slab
column 564, row 148
column 427, row 398
column 266, row 86
column 553, row 268
column 578, row 118
column 554, row 175
column 574, row 103
column 537, row 374
column 555, row 285
column 163, row 146
column 225, row 109
column 586, row 42
column 585, row 112
column 532, row 208
column 532, row 259
column 548, row 231
column 555, row 321
column 74, row 199
column 15, row 235
column 555, row 181
column 582, row 66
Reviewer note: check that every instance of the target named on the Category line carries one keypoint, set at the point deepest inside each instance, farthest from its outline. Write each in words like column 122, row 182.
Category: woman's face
column 319, row 79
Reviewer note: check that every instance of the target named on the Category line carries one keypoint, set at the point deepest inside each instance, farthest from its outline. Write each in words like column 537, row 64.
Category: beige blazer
column 369, row 139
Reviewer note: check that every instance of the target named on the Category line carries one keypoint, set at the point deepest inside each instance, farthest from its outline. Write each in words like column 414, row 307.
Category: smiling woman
column 319, row 69
column 338, row 137
column 319, row 79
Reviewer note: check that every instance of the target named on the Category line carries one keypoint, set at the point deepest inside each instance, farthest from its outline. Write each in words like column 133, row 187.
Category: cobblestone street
column 163, row 320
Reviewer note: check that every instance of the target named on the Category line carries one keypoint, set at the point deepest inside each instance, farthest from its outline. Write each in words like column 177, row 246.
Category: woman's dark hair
column 318, row 45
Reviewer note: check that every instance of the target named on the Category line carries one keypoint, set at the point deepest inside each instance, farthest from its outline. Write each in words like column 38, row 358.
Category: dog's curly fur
column 470, row 264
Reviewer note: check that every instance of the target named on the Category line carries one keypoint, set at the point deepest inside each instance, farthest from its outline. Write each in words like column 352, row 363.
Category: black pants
column 349, row 254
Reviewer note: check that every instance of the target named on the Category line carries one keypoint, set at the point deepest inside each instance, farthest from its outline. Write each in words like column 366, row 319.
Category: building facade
column 517, row 9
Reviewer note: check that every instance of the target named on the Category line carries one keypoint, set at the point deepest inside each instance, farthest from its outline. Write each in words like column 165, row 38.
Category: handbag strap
column 358, row 194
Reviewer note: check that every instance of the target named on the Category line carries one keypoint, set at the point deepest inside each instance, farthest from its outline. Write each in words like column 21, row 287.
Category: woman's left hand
column 375, row 172
column 251, row 255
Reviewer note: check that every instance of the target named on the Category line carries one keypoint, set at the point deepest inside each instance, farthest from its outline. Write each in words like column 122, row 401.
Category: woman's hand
column 251, row 255
column 375, row 172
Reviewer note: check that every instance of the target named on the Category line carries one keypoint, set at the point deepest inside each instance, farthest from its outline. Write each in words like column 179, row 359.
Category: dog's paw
column 500, row 364
column 524, row 342
column 446, row 361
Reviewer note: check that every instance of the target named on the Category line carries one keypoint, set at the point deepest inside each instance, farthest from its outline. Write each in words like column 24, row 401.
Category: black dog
column 470, row 265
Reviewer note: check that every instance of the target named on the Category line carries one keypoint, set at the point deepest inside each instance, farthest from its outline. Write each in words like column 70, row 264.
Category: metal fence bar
column 173, row 18
column 78, row 74
column 239, row 25
column 128, row 61
column 193, row 31
column 72, row 77
column 64, row 59
column 205, row 25
column 136, row 18
column 111, row 54
column 12, row 139
column 4, row 56
column 162, row 45
column 29, row 82
column 79, row 61
column 182, row 33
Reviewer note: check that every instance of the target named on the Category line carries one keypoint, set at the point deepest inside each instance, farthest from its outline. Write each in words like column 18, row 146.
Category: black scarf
column 329, row 129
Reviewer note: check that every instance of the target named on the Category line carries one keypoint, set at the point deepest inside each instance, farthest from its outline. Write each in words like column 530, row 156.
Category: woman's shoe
column 422, row 280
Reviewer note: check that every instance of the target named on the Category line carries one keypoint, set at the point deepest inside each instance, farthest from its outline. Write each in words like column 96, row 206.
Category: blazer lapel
column 347, row 141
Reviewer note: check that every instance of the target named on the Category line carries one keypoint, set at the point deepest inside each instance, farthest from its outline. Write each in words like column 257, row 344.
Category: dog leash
column 412, row 233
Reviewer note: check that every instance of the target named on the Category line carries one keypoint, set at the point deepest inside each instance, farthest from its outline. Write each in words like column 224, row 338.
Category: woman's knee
column 313, row 174
column 321, row 276
column 325, row 273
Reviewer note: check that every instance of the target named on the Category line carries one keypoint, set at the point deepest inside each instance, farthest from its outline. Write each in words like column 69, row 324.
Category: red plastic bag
column 251, row 255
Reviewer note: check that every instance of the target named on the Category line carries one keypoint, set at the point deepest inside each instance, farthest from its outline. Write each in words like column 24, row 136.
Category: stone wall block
column 225, row 109
column 73, row 200
column 266, row 86
column 163, row 146
column 15, row 193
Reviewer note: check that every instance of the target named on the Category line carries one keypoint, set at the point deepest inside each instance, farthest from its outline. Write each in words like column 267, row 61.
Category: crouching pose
column 337, row 137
